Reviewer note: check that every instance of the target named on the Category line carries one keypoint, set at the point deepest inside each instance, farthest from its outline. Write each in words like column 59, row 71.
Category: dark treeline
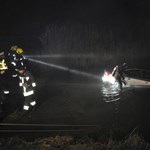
column 113, row 30
column 109, row 42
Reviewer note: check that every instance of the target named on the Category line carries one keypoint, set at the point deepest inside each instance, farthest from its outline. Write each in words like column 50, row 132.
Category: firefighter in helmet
column 27, row 85
column 4, row 90
column 15, row 59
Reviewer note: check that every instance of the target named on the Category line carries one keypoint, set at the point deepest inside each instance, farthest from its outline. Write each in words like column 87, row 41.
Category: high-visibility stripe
column 28, row 93
column 25, row 107
column 6, row 92
column 24, row 88
column 33, row 103
column 3, row 65
column 33, row 84
column 27, row 78
column 22, row 63
column 15, row 75
column 20, row 84
column 13, row 63
column 25, row 93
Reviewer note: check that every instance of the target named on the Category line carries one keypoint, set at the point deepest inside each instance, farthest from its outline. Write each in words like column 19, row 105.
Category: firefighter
column 3, row 66
column 15, row 59
column 118, row 73
column 3, row 79
column 27, row 84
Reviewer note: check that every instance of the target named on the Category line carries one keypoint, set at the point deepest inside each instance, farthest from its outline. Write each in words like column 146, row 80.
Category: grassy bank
column 131, row 142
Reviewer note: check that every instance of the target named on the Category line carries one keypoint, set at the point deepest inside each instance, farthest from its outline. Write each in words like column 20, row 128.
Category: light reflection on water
column 110, row 92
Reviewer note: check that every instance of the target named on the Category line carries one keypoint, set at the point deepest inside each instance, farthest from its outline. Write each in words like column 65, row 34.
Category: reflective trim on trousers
column 33, row 103
column 25, row 107
column 33, row 84
column 28, row 93
column 6, row 92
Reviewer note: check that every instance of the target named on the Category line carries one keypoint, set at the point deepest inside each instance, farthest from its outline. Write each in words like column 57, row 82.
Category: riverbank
column 133, row 141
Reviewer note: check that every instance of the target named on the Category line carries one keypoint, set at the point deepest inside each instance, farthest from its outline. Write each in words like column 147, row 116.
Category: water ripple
column 110, row 92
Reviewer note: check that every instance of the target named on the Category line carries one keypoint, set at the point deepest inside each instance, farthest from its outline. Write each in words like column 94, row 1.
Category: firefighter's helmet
column 19, row 50
column 14, row 47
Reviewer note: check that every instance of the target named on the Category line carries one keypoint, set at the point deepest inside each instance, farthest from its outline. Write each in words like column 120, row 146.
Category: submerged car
column 133, row 77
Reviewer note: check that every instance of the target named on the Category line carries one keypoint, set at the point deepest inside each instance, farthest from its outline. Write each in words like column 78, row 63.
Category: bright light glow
column 108, row 78
column 65, row 68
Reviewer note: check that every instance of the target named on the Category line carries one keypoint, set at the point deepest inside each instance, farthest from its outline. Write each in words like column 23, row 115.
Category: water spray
column 74, row 71
column 63, row 56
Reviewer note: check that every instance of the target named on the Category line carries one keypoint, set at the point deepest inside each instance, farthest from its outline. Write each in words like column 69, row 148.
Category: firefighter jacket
column 26, row 82
column 3, row 65
column 16, row 61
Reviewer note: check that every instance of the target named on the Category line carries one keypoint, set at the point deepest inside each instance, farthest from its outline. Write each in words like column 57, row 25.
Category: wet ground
column 72, row 98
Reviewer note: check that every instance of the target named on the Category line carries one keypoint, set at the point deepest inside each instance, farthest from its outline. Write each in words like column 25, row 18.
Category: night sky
column 29, row 18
